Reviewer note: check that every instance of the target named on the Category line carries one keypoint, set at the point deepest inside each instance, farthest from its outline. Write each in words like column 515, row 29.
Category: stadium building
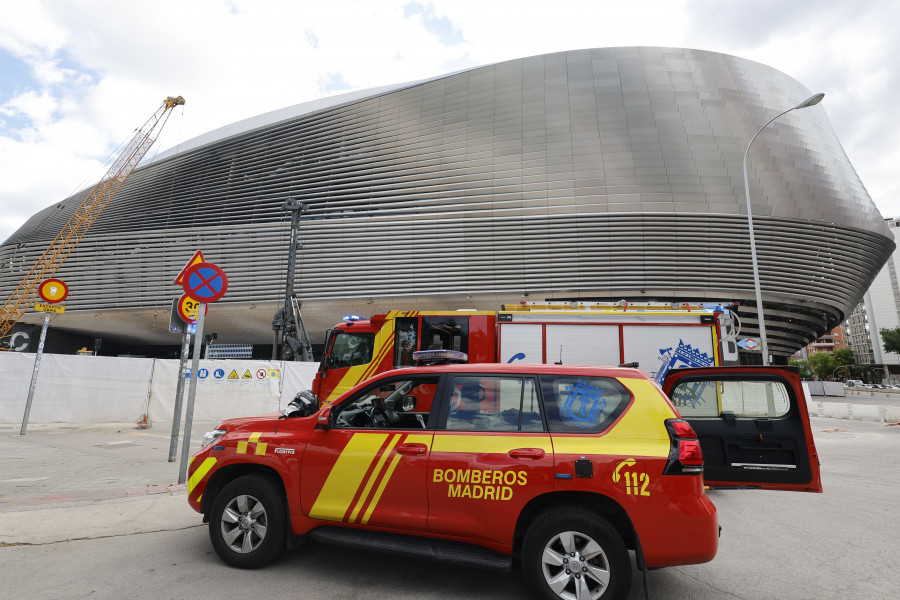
column 603, row 174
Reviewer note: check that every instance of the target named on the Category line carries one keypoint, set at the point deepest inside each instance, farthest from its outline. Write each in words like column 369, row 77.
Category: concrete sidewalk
column 64, row 482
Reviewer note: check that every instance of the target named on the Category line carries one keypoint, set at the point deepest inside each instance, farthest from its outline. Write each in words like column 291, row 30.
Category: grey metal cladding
column 603, row 173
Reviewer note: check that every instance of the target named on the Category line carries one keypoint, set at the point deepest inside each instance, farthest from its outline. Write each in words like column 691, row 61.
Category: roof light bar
column 440, row 356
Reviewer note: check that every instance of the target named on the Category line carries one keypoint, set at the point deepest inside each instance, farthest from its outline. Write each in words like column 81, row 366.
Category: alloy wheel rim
column 244, row 524
column 575, row 566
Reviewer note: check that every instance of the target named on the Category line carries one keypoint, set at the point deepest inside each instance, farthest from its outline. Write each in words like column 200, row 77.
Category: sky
column 77, row 77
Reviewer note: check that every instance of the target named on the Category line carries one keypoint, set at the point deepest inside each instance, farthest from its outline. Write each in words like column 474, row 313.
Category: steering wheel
column 378, row 416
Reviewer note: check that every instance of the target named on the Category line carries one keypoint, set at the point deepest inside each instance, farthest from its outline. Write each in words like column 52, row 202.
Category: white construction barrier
column 225, row 388
column 105, row 389
column 296, row 377
column 74, row 389
column 101, row 389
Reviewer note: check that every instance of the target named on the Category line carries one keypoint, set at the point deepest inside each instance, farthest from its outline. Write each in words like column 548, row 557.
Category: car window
column 582, row 404
column 351, row 349
column 743, row 398
column 494, row 403
column 393, row 403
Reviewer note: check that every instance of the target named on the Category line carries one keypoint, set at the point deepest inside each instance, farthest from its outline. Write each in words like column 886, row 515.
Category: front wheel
column 572, row 553
column 247, row 524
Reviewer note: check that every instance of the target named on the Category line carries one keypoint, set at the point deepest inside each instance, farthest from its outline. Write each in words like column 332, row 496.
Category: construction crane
column 85, row 215
column 295, row 344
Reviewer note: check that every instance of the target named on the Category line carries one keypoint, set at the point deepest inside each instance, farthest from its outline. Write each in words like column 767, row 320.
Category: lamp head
column 811, row 101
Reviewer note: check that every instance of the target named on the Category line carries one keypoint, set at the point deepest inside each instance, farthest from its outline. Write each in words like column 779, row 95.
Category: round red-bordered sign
column 188, row 309
column 53, row 291
column 205, row 282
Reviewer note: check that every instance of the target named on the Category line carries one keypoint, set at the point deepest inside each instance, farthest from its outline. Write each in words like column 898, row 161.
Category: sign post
column 52, row 292
column 34, row 373
column 204, row 283
column 192, row 390
column 182, row 320
column 179, row 394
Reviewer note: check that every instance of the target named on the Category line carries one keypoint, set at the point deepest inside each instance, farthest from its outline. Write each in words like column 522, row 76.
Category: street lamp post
column 811, row 101
column 833, row 373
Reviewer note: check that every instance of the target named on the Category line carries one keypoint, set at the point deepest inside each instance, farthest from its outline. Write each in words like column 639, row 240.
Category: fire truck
column 652, row 337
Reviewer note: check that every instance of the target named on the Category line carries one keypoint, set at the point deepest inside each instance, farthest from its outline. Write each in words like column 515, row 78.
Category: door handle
column 412, row 449
column 533, row 453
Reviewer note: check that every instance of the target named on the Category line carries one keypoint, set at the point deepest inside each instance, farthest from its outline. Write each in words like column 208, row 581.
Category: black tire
column 247, row 524
column 582, row 551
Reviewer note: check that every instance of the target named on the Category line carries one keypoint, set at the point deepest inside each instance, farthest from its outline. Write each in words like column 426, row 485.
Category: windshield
column 351, row 349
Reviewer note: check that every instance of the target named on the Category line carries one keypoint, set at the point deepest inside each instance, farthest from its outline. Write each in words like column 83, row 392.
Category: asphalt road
column 839, row 544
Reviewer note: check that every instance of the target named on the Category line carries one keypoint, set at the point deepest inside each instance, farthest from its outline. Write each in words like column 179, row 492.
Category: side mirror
column 323, row 421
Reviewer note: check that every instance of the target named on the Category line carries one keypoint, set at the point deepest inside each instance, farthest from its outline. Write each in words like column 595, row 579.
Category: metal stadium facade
column 603, row 174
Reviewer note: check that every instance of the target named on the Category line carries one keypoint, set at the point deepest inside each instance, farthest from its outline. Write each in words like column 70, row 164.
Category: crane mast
column 85, row 215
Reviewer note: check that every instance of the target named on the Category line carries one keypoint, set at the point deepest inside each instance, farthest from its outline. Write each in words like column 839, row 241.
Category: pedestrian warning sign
column 247, row 375
column 233, row 375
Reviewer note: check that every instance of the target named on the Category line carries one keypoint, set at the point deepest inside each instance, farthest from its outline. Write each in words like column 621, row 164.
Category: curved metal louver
column 604, row 174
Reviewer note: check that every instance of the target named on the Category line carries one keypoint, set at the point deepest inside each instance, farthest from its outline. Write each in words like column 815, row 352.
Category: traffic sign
column 197, row 258
column 749, row 343
column 49, row 308
column 187, row 309
column 177, row 324
column 205, row 282
column 53, row 291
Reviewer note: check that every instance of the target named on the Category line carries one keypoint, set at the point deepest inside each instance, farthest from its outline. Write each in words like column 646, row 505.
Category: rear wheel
column 572, row 553
column 247, row 524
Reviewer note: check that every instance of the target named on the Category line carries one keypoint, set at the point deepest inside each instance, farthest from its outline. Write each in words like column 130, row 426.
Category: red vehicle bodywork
column 484, row 339
column 475, row 487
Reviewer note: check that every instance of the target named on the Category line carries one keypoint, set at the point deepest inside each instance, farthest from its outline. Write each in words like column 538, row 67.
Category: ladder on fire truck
column 84, row 216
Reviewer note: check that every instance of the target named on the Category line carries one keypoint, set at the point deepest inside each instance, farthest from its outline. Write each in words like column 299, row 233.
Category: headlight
column 211, row 436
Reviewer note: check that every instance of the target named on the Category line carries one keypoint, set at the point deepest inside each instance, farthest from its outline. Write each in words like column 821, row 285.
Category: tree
column 822, row 364
column 844, row 356
column 890, row 339
column 802, row 367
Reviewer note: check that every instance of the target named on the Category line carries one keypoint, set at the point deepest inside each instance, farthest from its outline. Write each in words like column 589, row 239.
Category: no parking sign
column 205, row 282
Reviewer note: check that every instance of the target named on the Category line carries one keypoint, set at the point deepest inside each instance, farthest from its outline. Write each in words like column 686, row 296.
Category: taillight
column 683, row 429
column 685, row 456
column 689, row 453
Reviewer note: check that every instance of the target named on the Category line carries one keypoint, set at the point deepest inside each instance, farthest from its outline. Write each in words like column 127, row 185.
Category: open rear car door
column 752, row 424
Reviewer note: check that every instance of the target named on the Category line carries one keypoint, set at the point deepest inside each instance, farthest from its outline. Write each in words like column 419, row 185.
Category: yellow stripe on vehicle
column 640, row 432
column 410, row 439
column 360, row 373
column 200, row 473
column 488, row 444
column 260, row 448
column 346, row 476
column 373, row 477
column 380, row 490
column 585, row 444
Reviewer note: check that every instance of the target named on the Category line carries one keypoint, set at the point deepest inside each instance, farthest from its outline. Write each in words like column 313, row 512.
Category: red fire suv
column 562, row 468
